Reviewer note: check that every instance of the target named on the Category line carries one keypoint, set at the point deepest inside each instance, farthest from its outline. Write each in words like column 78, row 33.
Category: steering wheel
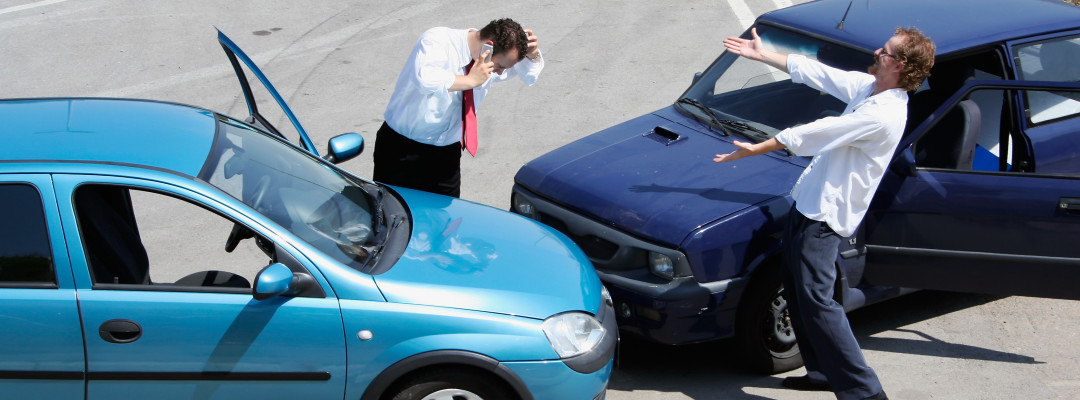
column 240, row 232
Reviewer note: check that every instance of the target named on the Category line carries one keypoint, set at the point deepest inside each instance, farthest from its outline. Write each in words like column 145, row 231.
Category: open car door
column 257, row 92
column 998, row 211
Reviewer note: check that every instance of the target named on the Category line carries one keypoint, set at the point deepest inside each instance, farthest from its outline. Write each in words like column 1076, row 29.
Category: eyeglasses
column 883, row 53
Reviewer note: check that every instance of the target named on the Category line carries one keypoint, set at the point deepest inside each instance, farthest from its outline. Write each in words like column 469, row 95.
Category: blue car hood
column 658, row 186
column 470, row 256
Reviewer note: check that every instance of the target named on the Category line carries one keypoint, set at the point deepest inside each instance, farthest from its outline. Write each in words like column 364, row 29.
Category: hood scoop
column 664, row 136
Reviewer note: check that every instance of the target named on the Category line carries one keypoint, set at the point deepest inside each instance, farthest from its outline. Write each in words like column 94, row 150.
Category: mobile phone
column 489, row 49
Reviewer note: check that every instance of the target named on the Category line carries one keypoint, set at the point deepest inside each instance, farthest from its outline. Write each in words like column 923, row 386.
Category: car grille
column 594, row 246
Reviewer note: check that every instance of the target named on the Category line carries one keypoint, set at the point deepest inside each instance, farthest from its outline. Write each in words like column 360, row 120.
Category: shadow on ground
column 712, row 371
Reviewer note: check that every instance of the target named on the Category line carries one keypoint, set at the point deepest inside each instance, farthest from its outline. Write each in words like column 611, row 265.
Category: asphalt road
column 335, row 62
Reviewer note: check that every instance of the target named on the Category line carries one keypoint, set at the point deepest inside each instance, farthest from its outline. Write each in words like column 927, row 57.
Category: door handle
column 1071, row 205
column 120, row 331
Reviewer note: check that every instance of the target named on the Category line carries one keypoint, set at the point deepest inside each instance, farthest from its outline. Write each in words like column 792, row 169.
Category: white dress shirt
column 422, row 108
column 851, row 151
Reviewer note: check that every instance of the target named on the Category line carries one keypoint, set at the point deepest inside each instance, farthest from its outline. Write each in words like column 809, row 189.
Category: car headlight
column 661, row 265
column 573, row 333
column 521, row 205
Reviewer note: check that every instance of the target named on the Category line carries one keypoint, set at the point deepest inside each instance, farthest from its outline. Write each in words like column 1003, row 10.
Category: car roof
column 118, row 131
column 953, row 25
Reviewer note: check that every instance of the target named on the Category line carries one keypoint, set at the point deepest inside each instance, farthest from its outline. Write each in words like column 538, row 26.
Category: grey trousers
column 826, row 342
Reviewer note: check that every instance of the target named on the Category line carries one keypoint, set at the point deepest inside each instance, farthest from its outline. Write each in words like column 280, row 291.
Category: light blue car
column 157, row 250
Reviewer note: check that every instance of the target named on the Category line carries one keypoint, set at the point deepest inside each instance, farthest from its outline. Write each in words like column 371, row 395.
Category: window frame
column 50, row 246
column 219, row 204
column 1014, row 54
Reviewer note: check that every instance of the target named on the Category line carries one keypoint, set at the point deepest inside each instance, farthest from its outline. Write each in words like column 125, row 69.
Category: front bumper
column 677, row 311
column 555, row 380
column 680, row 312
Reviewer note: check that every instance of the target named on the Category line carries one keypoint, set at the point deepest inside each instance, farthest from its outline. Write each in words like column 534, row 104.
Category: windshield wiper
column 745, row 129
column 379, row 217
column 715, row 121
column 742, row 127
column 749, row 131
column 386, row 238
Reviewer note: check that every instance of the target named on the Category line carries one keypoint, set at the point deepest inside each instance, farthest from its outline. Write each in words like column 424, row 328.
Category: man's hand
column 480, row 71
column 744, row 150
column 749, row 149
column 754, row 49
column 533, row 46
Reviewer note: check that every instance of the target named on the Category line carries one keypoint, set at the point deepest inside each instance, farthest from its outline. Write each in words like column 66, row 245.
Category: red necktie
column 468, row 119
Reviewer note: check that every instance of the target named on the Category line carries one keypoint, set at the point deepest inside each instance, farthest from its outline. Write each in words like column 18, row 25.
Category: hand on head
column 533, row 46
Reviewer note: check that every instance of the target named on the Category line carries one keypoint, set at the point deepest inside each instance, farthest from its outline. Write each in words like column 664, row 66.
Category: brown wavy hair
column 916, row 51
column 506, row 34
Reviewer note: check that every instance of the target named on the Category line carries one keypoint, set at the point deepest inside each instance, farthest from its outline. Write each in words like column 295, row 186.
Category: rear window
column 25, row 255
column 1052, row 60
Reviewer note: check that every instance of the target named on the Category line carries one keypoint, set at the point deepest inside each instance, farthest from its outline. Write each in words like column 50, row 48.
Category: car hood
column 470, row 256
column 653, row 176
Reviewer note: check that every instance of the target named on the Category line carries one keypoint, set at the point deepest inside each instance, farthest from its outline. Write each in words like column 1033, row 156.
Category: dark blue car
column 983, row 194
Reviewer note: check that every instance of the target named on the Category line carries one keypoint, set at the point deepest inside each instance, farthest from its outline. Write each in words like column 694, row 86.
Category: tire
column 763, row 333
column 451, row 384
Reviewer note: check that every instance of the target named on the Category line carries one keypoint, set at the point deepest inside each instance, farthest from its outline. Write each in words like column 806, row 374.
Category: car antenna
column 844, row 18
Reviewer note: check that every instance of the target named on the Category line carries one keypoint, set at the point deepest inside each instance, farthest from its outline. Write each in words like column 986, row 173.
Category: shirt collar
column 466, row 55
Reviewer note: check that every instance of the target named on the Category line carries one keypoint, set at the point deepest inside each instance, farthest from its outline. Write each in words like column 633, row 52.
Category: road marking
column 782, row 3
column 29, row 6
column 742, row 13
column 318, row 44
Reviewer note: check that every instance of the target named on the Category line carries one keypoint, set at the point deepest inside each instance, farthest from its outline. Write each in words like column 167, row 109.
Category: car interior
column 969, row 134
column 114, row 246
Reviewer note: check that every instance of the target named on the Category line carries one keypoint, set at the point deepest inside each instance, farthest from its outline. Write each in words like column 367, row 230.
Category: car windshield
column 749, row 98
column 331, row 211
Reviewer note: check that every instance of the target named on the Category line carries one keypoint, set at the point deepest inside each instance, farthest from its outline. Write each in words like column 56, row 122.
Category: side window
column 1053, row 60
column 25, row 254
column 1054, row 145
column 160, row 242
column 969, row 135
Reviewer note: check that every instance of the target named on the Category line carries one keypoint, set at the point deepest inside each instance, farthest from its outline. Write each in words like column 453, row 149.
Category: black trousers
column 400, row 161
column 825, row 339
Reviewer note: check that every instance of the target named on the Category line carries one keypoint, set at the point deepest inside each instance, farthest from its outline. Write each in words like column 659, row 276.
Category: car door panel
column 212, row 345
column 972, row 232
column 41, row 350
column 183, row 343
column 1000, row 232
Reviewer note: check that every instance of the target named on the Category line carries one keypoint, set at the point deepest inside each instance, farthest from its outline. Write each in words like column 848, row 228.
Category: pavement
column 335, row 63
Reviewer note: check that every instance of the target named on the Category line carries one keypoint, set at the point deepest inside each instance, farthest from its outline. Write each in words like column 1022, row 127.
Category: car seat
column 111, row 238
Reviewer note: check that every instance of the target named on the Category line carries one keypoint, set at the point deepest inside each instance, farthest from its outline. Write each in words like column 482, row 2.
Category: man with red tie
column 430, row 119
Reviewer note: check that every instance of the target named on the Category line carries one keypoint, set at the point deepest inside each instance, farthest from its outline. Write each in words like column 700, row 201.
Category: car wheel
column 448, row 384
column 763, row 331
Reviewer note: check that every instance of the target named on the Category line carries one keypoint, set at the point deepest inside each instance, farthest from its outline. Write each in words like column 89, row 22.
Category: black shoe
column 806, row 384
column 880, row 396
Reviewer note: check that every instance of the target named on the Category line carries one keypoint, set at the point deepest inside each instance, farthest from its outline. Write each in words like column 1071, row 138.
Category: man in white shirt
column 851, row 153
column 419, row 146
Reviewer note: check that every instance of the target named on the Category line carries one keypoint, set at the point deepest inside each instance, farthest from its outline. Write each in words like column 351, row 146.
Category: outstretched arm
column 754, row 49
column 749, row 149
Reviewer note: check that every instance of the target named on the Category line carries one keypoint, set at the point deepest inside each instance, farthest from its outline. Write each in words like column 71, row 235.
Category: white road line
column 742, row 12
column 29, row 6
column 782, row 3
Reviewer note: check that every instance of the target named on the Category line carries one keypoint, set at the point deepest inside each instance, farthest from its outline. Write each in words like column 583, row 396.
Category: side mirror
column 277, row 280
column 344, row 147
column 904, row 164
column 697, row 76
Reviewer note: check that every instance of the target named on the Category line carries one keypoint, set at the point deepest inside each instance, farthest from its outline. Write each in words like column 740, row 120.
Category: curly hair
column 506, row 34
column 916, row 51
